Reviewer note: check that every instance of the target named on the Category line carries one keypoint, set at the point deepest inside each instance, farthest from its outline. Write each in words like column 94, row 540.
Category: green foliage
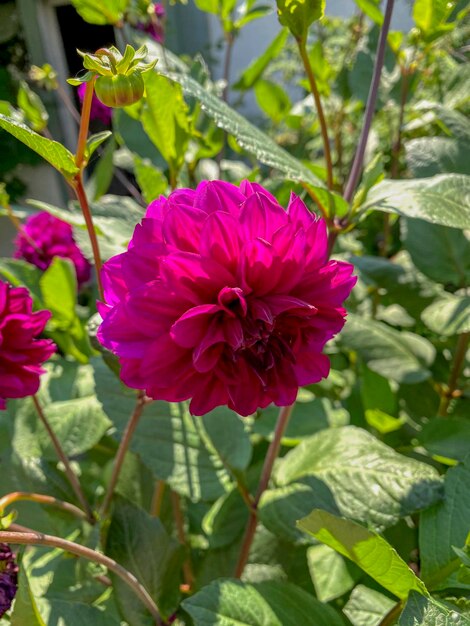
column 299, row 15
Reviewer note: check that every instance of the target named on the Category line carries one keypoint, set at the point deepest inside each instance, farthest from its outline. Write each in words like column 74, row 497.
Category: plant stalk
column 321, row 116
column 179, row 522
column 459, row 359
column 358, row 162
column 122, row 451
column 25, row 536
column 72, row 477
column 18, row 496
column 282, row 422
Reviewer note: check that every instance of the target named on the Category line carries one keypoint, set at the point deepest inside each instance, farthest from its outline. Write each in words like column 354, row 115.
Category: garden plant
column 234, row 366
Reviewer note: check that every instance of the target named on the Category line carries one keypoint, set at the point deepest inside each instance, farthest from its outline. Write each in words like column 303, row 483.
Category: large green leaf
column 165, row 119
column 141, row 544
column 446, row 437
column 367, row 607
column 182, row 459
column 251, row 138
column 332, row 575
column 228, row 437
column 400, row 356
column 430, row 16
column 449, row 315
column 365, row 479
column 101, row 11
column 422, row 611
column 443, row 199
column 449, row 262
column 445, row 525
column 52, row 151
column 367, row 549
column 233, row 603
column 429, row 156
column 20, row 274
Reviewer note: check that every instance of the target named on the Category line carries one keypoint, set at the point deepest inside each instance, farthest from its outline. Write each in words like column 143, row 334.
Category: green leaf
column 366, row 479
column 226, row 519
column 233, row 603
column 332, row 575
column 151, row 180
column 228, row 437
column 248, row 136
column 372, row 9
column 448, row 316
column 31, row 105
column 430, row 156
column 400, row 356
column 445, row 525
column 141, row 544
column 430, row 16
column 422, row 611
column 100, row 180
column 25, row 611
column 367, row 607
column 182, row 460
column 299, row 15
column 443, row 199
column 95, row 141
column 255, row 70
column 449, row 262
column 446, row 437
column 165, row 119
column 52, row 151
column 272, row 99
column 101, row 11
column 368, row 550
column 20, row 273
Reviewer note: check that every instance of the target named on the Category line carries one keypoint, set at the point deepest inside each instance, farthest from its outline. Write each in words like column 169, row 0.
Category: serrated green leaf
column 422, row 611
column 366, row 479
column 400, row 356
column 367, row 607
column 368, row 550
column 233, row 603
column 52, row 151
column 445, row 525
column 448, row 316
column 141, row 544
column 443, row 199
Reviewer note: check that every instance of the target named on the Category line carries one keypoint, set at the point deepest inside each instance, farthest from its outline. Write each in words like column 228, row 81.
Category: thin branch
column 459, row 360
column 230, row 39
column 282, row 422
column 122, row 451
column 321, row 115
column 157, row 498
column 26, row 536
column 18, row 496
column 358, row 162
column 72, row 477
column 84, row 124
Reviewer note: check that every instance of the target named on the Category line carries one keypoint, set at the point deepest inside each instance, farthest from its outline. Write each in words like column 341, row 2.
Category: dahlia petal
column 317, row 245
column 203, row 277
column 260, row 217
column 311, row 368
column 248, row 188
column 299, row 215
column 189, row 329
column 281, row 303
column 220, row 240
column 208, row 397
column 182, row 228
column 218, row 195
column 118, row 333
column 114, row 285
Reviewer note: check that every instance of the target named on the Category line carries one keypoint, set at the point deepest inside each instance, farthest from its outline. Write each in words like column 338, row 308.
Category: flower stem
column 72, row 477
column 79, row 189
column 230, row 40
column 157, row 498
column 179, row 522
column 459, row 359
column 84, row 124
column 321, row 116
column 25, row 536
column 18, row 496
column 273, row 451
column 122, row 451
column 356, row 168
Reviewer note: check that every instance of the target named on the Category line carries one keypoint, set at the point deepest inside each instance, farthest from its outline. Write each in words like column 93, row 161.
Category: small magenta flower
column 225, row 298
column 99, row 111
column 155, row 26
column 45, row 237
column 21, row 352
column 8, row 578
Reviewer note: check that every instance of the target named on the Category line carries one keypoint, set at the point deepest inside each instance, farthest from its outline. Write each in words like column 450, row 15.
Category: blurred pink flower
column 45, row 237
column 21, row 353
column 224, row 297
column 99, row 111
column 155, row 27
column 8, row 578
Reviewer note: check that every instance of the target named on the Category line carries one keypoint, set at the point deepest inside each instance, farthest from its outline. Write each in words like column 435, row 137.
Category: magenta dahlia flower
column 8, row 578
column 45, row 237
column 225, row 298
column 155, row 27
column 21, row 353
column 99, row 111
